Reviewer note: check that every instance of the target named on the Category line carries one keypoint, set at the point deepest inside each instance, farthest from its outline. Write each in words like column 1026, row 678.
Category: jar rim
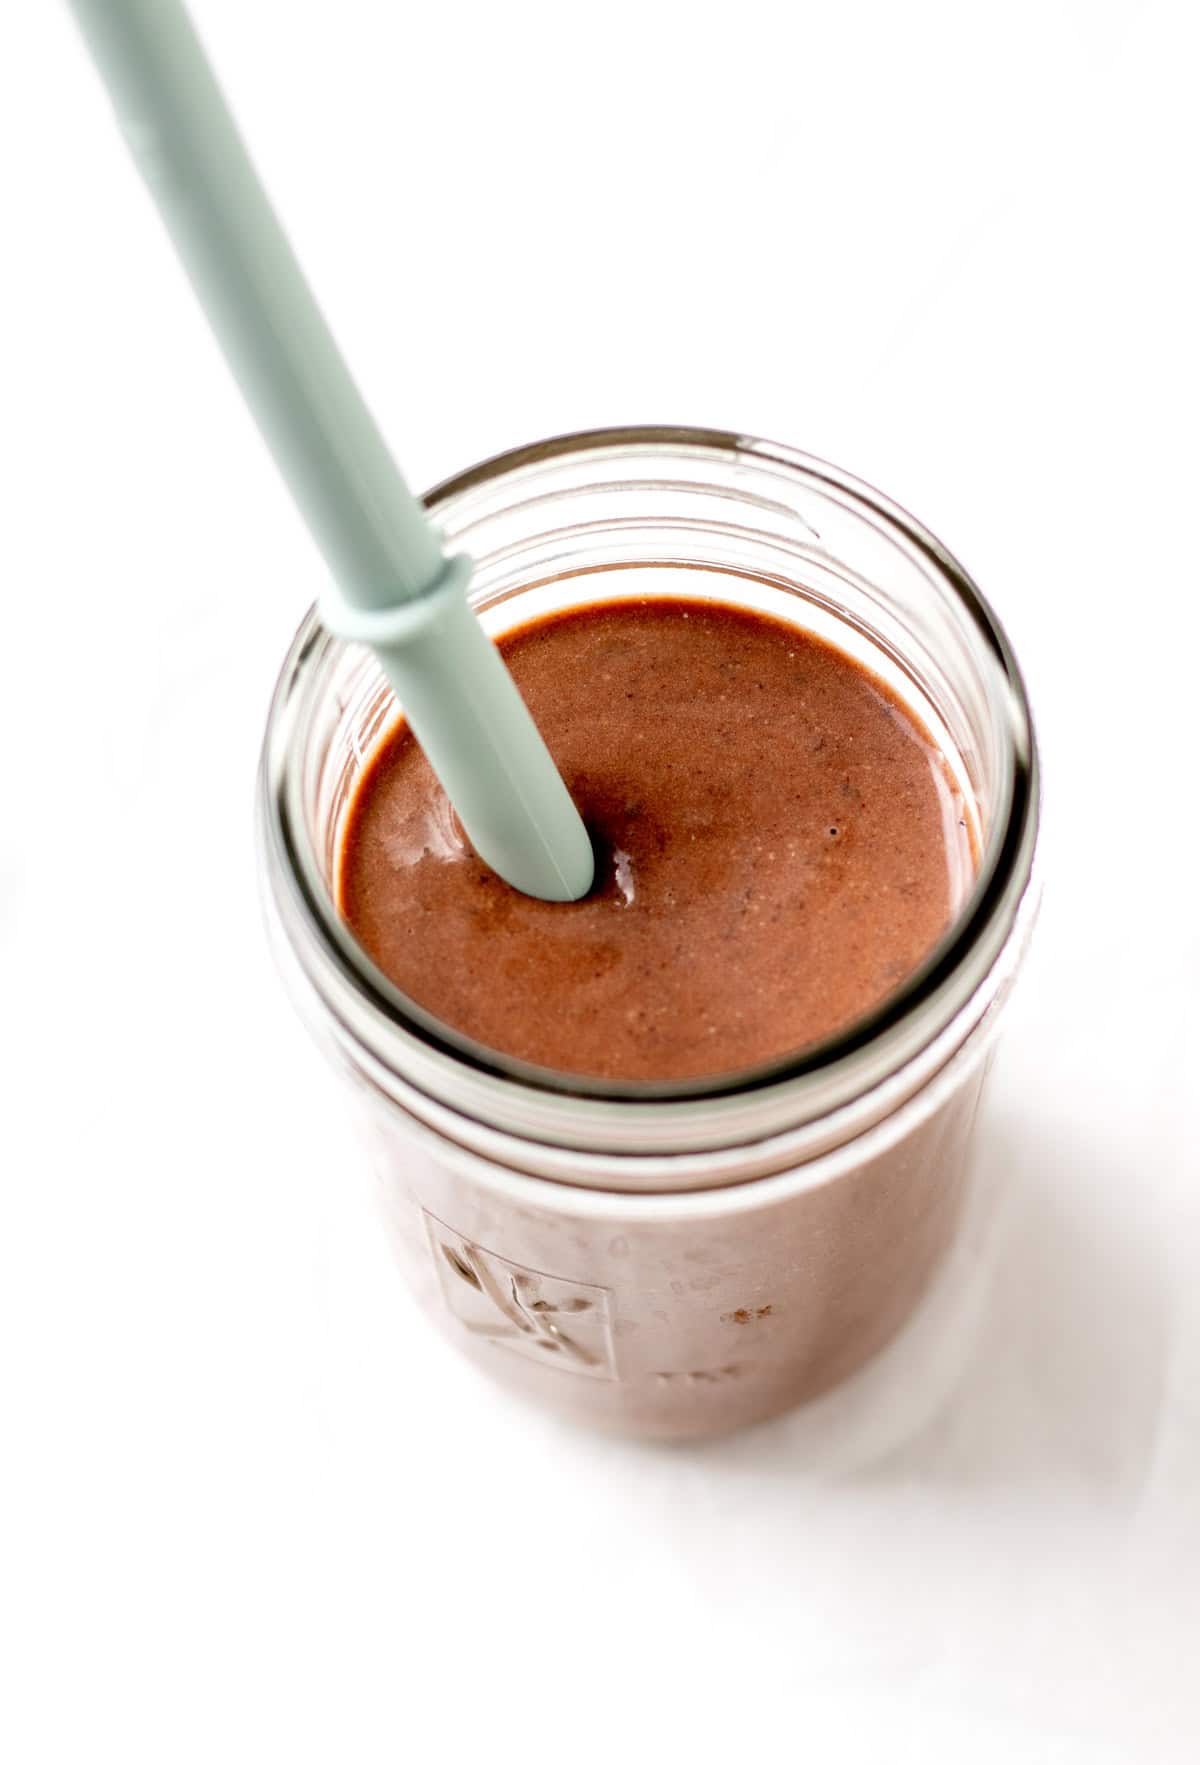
column 990, row 908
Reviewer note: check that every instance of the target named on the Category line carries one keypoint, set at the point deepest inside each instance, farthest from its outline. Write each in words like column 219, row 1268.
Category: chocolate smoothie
column 779, row 845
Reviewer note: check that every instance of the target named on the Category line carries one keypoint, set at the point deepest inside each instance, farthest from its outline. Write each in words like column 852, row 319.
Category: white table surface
column 252, row 1509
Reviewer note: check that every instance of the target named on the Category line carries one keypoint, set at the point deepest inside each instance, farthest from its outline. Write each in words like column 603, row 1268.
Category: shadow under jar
column 679, row 1259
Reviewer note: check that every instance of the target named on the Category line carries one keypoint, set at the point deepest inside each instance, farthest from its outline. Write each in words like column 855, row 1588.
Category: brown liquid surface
column 779, row 846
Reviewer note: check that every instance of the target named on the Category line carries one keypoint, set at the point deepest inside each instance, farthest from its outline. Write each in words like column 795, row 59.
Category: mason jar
column 673, row 1259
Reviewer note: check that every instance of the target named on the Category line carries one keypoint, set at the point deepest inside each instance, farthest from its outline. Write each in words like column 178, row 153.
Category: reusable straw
column 394, row 587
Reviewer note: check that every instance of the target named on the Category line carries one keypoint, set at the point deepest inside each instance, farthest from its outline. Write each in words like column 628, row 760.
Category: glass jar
column 673, row 1259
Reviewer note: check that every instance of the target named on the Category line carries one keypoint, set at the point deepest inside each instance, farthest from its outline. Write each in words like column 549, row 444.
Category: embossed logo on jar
column 563, row 1323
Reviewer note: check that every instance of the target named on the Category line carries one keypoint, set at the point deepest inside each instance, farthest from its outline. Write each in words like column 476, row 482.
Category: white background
column 252, row 1510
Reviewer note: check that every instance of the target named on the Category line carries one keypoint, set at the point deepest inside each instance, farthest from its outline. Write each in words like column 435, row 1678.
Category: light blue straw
column 396, row 590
